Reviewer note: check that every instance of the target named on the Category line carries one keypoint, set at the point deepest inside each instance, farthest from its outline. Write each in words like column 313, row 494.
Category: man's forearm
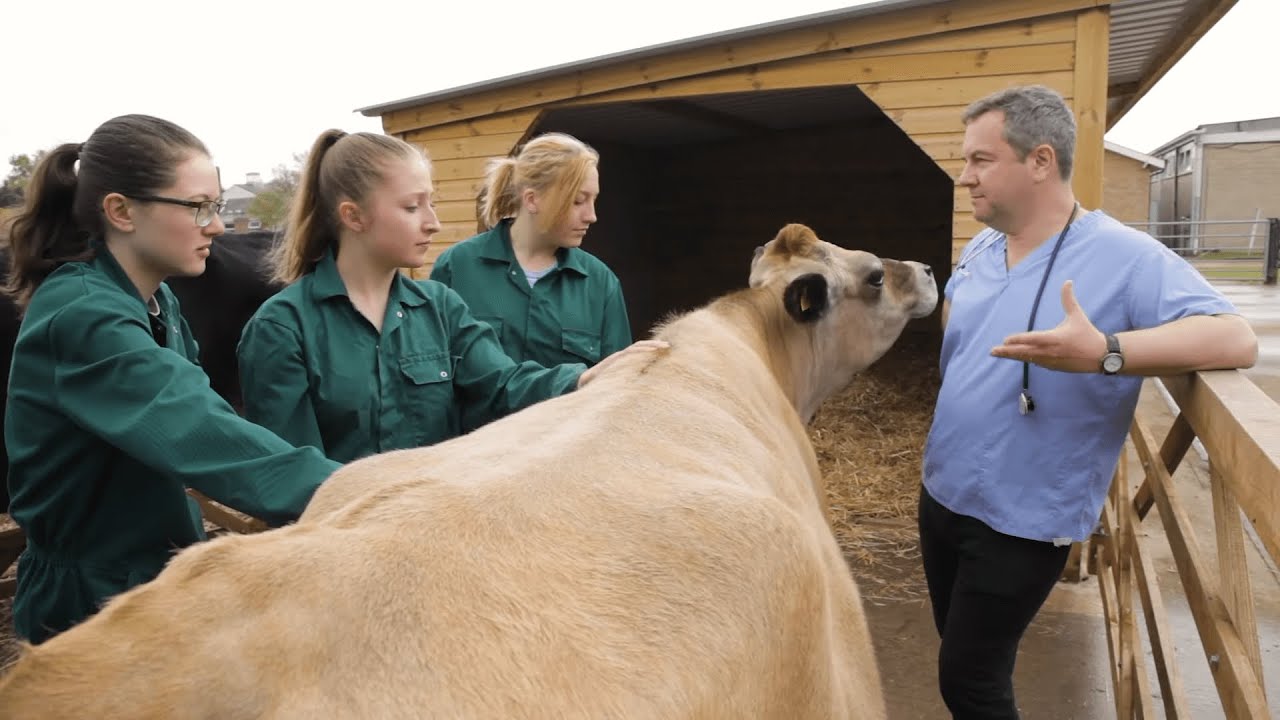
column 1200, row 342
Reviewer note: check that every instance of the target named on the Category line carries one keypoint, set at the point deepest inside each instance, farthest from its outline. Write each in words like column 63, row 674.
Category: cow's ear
column 806, row 298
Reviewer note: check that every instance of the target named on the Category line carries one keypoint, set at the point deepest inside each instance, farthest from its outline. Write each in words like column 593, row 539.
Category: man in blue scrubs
column 1029, row 425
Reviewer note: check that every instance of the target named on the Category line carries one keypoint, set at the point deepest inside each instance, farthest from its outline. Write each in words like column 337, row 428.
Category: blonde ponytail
column 341, row 166
column 500, row 198
column 555, row 165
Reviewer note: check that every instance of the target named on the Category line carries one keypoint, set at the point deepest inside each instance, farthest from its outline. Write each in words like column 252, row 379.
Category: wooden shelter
column 848, row 121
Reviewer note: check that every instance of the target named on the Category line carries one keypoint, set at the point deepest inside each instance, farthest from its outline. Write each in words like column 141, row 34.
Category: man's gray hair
column 1033, row 115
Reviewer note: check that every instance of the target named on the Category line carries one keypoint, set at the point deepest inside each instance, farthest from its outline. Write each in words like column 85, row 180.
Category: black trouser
column 985, row 588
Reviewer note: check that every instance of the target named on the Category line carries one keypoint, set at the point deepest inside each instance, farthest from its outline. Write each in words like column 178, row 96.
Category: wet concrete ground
column 1063, row 665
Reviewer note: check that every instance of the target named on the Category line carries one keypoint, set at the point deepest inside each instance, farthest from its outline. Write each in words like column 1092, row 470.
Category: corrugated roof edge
column 737, row 34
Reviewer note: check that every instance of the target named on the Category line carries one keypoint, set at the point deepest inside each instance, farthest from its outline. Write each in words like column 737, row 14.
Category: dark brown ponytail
column 131, row 155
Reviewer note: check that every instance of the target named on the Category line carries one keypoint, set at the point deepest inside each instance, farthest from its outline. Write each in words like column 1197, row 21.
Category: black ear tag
column 1025, row 403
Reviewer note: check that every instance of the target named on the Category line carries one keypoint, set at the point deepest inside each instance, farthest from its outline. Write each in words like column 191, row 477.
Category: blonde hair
column 340, row 166
column 555, row 165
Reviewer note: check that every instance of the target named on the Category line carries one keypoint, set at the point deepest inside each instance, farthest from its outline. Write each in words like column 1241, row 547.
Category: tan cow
column 652, row 546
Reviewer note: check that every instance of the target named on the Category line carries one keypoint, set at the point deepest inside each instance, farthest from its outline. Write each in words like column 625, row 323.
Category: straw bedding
column 870, row 443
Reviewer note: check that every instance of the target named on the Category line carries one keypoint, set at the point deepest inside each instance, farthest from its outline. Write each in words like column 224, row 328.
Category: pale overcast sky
column 257, row 80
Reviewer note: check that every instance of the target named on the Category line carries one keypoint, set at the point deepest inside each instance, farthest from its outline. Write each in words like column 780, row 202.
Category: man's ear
column 1043, row 161
column 351, row 216
column 118, row 211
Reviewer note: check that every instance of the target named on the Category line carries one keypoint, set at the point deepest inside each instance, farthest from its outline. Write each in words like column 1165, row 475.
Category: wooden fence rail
column 1239, row 426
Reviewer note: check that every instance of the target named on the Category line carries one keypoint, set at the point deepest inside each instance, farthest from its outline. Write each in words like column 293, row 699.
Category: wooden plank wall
column 459, row 152
column 922, row 83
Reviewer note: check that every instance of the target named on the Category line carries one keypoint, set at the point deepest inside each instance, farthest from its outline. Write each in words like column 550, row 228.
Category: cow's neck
column 757, row 323
column 788, row 351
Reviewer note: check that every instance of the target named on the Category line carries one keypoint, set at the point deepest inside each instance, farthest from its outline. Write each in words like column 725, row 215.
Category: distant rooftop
column 1236, row 131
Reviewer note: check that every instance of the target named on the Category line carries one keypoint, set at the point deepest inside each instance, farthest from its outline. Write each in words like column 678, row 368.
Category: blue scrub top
column 1045, row 475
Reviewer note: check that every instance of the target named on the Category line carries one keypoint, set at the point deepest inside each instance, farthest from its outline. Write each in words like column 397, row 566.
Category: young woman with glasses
column 109, row 417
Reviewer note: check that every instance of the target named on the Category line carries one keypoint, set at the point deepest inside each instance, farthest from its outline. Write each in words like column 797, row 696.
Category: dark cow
column 217, row 304
column 8, row 334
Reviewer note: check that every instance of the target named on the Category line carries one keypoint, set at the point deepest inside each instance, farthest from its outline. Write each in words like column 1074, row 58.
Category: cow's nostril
column 928, row 271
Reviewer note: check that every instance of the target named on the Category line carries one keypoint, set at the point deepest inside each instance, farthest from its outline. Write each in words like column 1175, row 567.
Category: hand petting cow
column 661, row 552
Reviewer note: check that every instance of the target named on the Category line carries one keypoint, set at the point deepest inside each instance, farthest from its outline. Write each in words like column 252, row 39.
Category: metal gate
column 1223, row 250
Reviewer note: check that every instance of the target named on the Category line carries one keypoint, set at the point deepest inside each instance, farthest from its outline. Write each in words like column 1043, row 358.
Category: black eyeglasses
column 205, row 209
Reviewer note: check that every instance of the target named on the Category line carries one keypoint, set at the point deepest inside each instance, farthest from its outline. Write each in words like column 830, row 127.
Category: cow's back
column 626, row 541
column 650, row 546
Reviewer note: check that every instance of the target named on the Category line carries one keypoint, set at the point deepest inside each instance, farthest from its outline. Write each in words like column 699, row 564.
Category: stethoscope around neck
column 1026, row 405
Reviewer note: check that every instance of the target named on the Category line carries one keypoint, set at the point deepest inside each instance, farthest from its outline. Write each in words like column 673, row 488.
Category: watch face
column 1112, row 363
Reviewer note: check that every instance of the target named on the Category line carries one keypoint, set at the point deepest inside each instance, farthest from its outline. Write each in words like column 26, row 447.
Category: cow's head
column 852, row 305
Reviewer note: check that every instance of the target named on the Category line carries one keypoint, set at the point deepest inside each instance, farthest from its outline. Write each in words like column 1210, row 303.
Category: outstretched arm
column 114, row 381
column 1198, row 342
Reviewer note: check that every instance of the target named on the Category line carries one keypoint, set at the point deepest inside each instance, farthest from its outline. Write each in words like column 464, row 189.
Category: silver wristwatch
column 1113, row 361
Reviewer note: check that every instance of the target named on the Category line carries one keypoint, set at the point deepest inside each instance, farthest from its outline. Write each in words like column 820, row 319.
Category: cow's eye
column 876, row 278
